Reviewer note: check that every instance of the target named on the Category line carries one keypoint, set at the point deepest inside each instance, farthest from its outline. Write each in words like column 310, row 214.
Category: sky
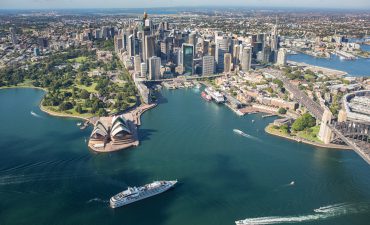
column 55, row 4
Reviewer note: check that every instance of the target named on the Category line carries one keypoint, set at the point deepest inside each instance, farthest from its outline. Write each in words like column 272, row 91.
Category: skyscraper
column 187, row 58
column 246, row 59
column 13, row 36
column 143, row 69
column 118, row 43
column 154, row 68
column 137, row 63
column 236, row 54
column 208, row 65
column 131, row 45
column 281, row 57
column 149, row 47
column 227, row 63
column 222, row 47
column 192, row 39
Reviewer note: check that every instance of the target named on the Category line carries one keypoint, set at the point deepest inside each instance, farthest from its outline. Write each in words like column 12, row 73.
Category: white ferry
column 216, row 95
column 133, row 194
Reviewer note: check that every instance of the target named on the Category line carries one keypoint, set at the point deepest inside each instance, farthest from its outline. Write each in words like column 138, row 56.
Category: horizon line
column 200, row 6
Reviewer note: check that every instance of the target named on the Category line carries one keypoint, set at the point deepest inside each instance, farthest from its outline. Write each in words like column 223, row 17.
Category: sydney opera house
column 112, row 134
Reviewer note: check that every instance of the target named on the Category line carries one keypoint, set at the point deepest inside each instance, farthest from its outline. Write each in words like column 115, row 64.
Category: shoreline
column 301, row 140
column 15, row 87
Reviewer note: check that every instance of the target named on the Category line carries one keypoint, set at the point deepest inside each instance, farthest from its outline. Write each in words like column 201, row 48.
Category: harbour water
column 48, row 175
column 358, row 67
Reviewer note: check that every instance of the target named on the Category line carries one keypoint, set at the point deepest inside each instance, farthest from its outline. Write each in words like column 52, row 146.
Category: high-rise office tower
column 222, row 47
column 193, row 39
column 131, row 45
column 267, row 54
column 143, row 69
column 125, row 40
column 236, row 54
column 246, row 59
column 187, row 58
column 164, row 51
column 205, row 47
column 118, row 43
column 227, row 62
column 212, row 49
column 154, row 68
column 208, row 65
column 137, row 63
column 149, row 47
column 13, row 36
column 281, row 57
column 274, row 37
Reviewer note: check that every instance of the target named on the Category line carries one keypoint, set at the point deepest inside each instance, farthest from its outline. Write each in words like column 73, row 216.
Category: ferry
column 134, row 194
column 216, row 95
column 206, row 97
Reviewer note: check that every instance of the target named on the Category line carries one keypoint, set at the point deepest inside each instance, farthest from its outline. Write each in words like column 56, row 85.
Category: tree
column 65, row 106
column 79, row 109
column 303, row 122
column 85, row 94
column 102, row 112
column 282, row 111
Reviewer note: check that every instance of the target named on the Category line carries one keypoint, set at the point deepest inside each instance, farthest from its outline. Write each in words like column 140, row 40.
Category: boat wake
column 35, row 114
column 321, row 213
column 97, row 200
column 245, row 135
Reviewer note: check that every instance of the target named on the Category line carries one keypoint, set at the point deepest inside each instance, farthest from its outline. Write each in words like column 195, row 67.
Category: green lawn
column 80, row 59
column 311, row 136
column 90, row 88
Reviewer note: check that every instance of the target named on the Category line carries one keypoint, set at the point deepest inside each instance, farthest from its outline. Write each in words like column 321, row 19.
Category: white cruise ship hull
column 114, row 203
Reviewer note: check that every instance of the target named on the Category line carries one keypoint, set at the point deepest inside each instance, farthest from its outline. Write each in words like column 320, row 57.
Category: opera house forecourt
column 112, row 134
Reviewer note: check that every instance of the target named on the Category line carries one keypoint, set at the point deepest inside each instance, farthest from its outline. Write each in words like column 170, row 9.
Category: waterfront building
column 281, row 57
column 208, row 65
column 246, row 59
column 187, row 58
column 222, row 47
column 227, row 63
column 118, row 131
column 154, row 68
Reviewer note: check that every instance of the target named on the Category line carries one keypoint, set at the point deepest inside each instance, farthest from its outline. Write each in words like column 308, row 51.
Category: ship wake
column 321, row 213
column 99, row 200
column 35, row 114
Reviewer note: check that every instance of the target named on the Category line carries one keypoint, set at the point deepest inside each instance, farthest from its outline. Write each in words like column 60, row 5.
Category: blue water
column 49, row 176
column 359, row 67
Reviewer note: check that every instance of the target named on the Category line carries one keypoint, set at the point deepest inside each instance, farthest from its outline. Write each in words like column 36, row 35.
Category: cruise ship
column 216, row 95
column 133, row 194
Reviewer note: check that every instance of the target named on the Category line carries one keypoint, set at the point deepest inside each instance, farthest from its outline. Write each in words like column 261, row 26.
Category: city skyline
column 69, row 4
